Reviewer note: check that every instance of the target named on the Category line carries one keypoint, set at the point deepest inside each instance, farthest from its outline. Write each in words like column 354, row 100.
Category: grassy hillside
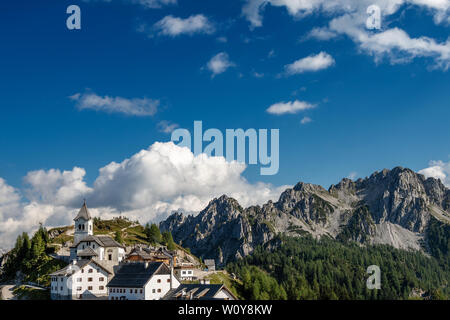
column 131, row 232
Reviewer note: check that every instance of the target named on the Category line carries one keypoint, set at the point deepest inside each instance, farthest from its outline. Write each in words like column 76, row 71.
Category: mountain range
column 391, row 207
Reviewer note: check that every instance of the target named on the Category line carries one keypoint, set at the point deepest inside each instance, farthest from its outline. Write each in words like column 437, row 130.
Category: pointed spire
column 83, row 213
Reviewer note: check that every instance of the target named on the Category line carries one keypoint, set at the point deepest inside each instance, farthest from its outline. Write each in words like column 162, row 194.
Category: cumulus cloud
column 439, row 170
column 219, row 63
column 55, row 187
column 134, row 107
column 147, row 186
column 314, row 62
column 174, row 26
column 18, row 215
column 289, row 107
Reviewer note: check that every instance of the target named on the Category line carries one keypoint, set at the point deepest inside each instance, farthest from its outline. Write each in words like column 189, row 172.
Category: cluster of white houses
column 100, row 269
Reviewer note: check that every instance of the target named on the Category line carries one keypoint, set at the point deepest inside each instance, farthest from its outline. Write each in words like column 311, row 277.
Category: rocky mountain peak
column 308, row 187
column 391, row 207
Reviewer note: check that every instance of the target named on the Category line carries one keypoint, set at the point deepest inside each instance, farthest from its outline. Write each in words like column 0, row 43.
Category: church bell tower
column 83, row 224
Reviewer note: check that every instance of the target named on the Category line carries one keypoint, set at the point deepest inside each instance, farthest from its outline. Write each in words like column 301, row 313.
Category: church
column 93, row 259
column 88, row 246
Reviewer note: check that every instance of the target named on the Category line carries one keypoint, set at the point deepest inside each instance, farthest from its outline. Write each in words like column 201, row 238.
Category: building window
column 101, row 288
column 153, row 290
column 135, row 290
column 61, row 288
column 82, row 270
column 168, row 280
column 89, row 288
column 159, row 281
column 79, row 279
column 131, row 290
column 159, row 290
column 101, row 279
column 109, row 257
column 91, row 270
column 141, row 290
column 89, row 279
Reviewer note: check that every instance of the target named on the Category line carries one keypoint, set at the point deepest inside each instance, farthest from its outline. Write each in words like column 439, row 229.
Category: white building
column 185, row 272
column 88, row 246
column 82, row 279
column 142, row 281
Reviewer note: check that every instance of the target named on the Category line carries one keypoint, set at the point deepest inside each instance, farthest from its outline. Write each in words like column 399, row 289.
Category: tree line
column 307, row 268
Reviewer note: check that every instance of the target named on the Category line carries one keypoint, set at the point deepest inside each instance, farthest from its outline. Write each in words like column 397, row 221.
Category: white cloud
column 153, row 4
column 258, row 74
column 349, row 18
column 167, row 126
column 289, row 107
column 174, row 26
column 305, row 120
column 148, row 186
column 219, row 63
column 55, row 187
column 439, row 170
column 321, row 34
column 253, row 9
column 394, row 44
column 150, row 4
column 352, row 175
column 311, row 63
column 134, row 107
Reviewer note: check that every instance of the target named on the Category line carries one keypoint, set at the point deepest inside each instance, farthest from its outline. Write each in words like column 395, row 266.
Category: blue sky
column 378, row 105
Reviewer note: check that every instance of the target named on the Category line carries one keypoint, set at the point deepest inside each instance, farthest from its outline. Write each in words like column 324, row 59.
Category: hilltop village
column 99, row 267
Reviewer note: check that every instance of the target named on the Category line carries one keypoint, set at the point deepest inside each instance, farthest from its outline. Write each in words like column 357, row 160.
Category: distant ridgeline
column 396, row 219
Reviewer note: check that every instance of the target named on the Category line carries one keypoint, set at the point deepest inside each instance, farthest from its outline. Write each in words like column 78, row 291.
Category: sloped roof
column 196, row 291
column 71, row 268
column 136, row 275
column 83, row 213
column 88, row 252
column 107, row 241
column 103, row 241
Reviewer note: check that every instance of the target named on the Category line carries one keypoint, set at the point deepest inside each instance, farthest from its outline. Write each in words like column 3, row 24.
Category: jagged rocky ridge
column 390, row 207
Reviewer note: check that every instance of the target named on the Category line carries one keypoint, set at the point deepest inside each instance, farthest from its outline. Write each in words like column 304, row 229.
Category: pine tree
column 168, row 240
column 118, row 237
column 154, row 235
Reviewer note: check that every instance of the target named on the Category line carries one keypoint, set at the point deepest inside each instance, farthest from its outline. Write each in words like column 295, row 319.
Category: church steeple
column 83, row 213
column 83, row 224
